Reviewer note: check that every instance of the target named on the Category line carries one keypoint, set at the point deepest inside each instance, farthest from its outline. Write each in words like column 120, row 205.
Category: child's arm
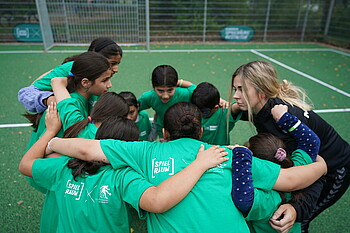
column 242, row 182
column 80, row 148
column 307, row 139
column 59, row 87
column 299, row 177
column 37, row 151
column 41, row 76
column 161, row 198
column 183, row 83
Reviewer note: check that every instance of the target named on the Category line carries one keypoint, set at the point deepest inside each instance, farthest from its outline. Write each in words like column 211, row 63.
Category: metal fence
column 148, row 21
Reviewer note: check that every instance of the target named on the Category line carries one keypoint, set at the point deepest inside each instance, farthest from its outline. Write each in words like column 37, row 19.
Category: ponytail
column 34, row 119
column 183, row 120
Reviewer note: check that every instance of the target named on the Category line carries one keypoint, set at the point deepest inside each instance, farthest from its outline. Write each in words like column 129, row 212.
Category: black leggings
column 334, row 187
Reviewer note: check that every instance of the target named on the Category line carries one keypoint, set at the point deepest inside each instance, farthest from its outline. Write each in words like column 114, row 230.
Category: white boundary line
column 188, row 50
column 151, row 118
column 15, row 125
column 301, row 73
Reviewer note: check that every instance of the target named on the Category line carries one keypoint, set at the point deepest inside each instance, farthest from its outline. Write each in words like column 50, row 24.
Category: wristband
column 48, row 144
column 294, row 126
column 180, row 83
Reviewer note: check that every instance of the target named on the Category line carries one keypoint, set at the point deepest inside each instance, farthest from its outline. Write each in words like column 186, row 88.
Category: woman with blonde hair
column 257, row 90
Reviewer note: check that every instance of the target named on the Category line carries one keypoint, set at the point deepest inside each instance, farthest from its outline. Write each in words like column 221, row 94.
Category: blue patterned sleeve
column 307, row 139
column 32, row 98
column 242, row 182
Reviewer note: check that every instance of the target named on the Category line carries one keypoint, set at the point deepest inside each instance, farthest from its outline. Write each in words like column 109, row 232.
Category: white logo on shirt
column 143, row 133
column 219, row 168
column 162, row 166
column 74, row 189
column 211, row 127
column 104, row 190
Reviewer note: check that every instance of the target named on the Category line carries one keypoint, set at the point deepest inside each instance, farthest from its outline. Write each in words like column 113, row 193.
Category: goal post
column 67, row 22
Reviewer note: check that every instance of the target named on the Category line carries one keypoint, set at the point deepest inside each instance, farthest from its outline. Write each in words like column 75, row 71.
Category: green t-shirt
column 266, row 202
column 44, row 83
column 150, row 99
column 208, row 207
column 80, row 105
column 73, row 110
column 92, row 204
column 215, row 128
column 144, row 125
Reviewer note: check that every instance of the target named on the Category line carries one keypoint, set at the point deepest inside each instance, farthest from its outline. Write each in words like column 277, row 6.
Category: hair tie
column 90, row 120
column 281, row 154
column 103, row 45
column 70, row 74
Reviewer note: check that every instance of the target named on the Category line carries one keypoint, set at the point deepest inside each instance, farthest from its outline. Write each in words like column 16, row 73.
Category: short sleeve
column 300, row 157
column 264, row 205
column 69, row 112
column 145, row 99
column 44, row 83
column 122, row 154
column 265, row 173
column 134, row 185
column 45, row 172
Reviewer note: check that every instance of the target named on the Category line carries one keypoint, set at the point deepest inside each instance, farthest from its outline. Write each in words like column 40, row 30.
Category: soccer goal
column 66, row 22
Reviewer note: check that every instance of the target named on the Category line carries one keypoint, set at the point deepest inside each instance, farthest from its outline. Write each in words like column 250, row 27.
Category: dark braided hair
column 164, row 75
column 183, row 120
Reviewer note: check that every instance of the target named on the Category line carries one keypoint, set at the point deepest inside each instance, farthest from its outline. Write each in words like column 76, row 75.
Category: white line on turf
column 188, row 50
column 301, row 73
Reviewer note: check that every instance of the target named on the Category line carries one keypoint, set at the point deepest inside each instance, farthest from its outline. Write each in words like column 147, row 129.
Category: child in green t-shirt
column 216, row 127
column 141, row 118
column 167, row 90
column 90, row 76
column 35, row 98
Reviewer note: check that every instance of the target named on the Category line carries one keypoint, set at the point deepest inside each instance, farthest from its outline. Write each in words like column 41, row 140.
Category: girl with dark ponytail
column 90, row 76
column 35, row 98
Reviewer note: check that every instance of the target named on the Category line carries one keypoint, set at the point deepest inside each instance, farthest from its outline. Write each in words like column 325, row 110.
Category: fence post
column 267, row 19
column 305, row 20
column 299, row 14
column 66, row 20
column 45, row 25
column 148, row 39
column 205, row 19
column 329, row 17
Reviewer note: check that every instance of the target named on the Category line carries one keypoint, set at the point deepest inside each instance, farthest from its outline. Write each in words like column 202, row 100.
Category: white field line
column 186, row 51
column 151, row 118
column 301, row 73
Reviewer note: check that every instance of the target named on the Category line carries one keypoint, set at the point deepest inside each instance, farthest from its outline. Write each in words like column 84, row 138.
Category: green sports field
column 324, row 72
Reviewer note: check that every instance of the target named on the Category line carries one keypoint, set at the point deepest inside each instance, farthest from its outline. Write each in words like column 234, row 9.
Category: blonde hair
column 262, row 76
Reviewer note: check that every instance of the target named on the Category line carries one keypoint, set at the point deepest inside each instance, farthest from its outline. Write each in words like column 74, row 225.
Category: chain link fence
column 150, row 21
